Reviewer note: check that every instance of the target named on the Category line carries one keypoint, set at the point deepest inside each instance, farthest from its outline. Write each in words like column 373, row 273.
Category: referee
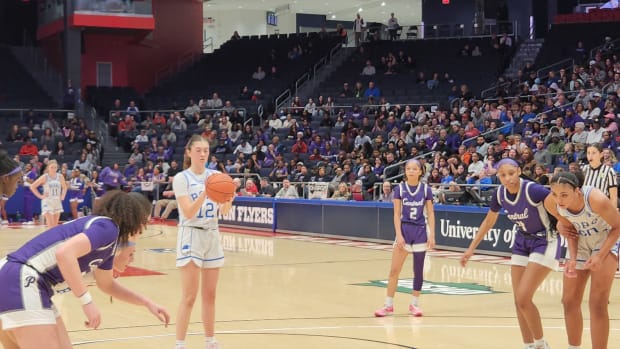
column 599, row 175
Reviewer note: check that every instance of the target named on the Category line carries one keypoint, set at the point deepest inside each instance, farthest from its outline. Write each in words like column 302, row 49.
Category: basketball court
column 289, row 291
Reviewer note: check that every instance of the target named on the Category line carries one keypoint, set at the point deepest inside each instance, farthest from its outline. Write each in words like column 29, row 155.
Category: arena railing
column 123, row 112
column 494, row 88
column 538, row 116
column 336, row 108
column 467, row 140
column 283, row 99
column 477, row 189
column 566, row 63
column 311, row 74
column 615, row 43
column 399, row 165
column 550, row 94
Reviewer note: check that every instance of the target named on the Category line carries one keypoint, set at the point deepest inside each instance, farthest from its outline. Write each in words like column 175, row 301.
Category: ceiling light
column 333, row 16
column 383, row 3
column 360, row 9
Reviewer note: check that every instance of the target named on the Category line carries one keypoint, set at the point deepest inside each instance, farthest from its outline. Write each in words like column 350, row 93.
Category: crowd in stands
column 544, row 123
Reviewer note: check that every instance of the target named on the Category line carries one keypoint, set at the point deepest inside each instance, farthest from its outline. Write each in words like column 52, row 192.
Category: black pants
column 393, row 34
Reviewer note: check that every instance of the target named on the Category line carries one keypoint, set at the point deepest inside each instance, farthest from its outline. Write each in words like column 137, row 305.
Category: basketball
column 220, row 187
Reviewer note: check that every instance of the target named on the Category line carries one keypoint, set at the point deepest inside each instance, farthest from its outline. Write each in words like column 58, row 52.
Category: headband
column 14, row 171
column 414, row 160
column 507, row 161
column 127, row 244
column 566, row 180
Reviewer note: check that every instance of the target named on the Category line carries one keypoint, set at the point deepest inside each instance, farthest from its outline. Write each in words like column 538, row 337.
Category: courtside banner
column 250, row 212
column 456, row 227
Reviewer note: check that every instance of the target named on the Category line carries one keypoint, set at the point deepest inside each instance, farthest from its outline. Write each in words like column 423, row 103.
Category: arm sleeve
column 179, row 185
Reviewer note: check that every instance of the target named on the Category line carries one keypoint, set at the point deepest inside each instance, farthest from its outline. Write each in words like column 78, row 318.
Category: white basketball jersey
column 586, row 222
column 187, row 183
column 52, row 186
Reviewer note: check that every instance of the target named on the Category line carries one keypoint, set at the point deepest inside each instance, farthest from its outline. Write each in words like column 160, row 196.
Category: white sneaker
column 213, row 345
column 544, row 346
column 4, row 222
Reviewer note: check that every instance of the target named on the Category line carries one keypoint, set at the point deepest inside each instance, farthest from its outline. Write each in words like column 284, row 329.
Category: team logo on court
column 430, row 287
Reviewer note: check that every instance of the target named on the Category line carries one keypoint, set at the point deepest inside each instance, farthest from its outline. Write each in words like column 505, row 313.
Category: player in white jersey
column 593, row 255
column 199, row 252
column 54, row 191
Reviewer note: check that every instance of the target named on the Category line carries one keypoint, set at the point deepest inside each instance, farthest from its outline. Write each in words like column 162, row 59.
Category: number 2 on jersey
column 413, row 213
column 206, row 211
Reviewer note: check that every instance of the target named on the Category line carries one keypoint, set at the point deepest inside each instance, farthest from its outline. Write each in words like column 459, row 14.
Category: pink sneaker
column 384, row 311
column 415, row 311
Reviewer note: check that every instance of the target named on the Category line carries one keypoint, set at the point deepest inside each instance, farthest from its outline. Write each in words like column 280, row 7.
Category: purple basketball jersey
column 413, row 201
column 526, row 209
column 39, row 253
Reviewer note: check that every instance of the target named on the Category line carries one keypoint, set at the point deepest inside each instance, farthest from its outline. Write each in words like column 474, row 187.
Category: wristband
column 86, row 298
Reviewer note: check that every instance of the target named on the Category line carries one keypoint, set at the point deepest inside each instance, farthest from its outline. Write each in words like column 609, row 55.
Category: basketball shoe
column 384, row 311
column 545, row 345
column 415, row 310
column 213, row 345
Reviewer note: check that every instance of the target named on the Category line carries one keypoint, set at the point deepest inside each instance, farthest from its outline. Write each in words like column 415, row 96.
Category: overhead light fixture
column 360, row 9
column 333, row 16
column 383, row 3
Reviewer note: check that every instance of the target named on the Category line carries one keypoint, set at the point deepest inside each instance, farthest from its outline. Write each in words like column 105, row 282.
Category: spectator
column 250, row 188
column 279, row 172
column 357, row 193
column 369, row 69
column 168, row 203
column 191, row 109
column 542, row 155
column 342, row 193
column 393, row 26
column 346, row 92
column 28, row 148
column 358, row 28
column 133, row 110
column 235, row 36
column 300, row 147
column 386, row 194
column 288, row 191
column 372, row 91
column 275, row 122
column 266, row 189
column 259, row 74
column 244, row 147
column 215, row 102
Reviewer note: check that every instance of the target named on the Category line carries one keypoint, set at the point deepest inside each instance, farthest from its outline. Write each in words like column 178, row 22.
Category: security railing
column 563, row 64
column 144, row 113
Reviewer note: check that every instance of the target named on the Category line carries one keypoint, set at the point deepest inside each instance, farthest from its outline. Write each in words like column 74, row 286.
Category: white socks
column 414, row 301
column 179, row 344
column 574, row 347
column 389, row 301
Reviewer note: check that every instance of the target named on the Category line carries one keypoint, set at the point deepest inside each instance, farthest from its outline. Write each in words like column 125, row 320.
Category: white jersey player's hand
column 93, row 315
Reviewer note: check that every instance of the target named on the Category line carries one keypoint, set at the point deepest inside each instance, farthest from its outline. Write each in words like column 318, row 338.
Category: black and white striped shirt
column 602, row 177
